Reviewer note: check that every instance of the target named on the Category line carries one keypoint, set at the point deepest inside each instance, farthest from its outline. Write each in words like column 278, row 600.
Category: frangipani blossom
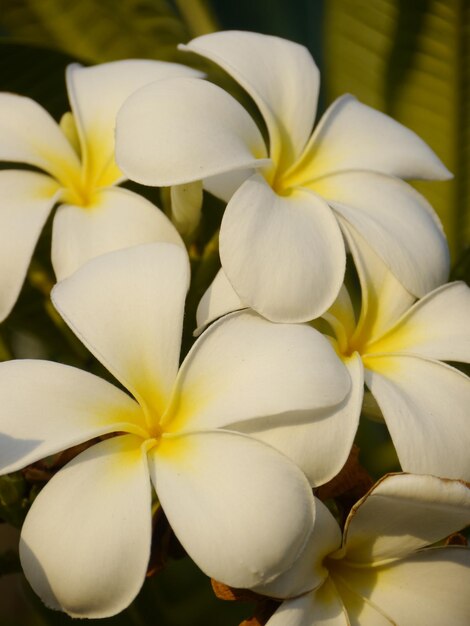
column 241, row 509
column 382, row 572
column 280, row 243
column 78, row 157
column 402, row 344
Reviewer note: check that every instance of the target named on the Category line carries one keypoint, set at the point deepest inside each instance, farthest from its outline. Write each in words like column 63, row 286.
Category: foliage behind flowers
column 272, row 397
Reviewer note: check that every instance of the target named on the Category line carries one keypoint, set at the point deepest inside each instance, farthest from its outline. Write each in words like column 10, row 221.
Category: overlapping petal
column 219, row 299
column 96, row 95
column 318, row 443
column 85, row 544
column 353, row 136
column 436, row 327
column 127, row 308
column 288, row 116
column 244, row 367
column 30, row 135
column 396, row 220
column 118, row 219
column 425, row 404
column 26, row 201
column 158, row 115
column 429, row 587
column 403, row 513
column 284, row 256
column 220, row 491
column 47, row 407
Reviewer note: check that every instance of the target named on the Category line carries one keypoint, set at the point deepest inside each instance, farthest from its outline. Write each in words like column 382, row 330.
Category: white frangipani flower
column 240, row 508
column 383, row 572
column 280, row 243
column 402, row 344
column 78, row 157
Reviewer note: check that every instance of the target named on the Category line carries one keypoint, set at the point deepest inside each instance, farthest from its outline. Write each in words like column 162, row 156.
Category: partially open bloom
column 240, row 508
column 78, row 156
column 383, row 572
column 280, row 243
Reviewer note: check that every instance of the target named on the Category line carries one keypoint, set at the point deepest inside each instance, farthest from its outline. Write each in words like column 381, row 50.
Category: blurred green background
column 410, row 59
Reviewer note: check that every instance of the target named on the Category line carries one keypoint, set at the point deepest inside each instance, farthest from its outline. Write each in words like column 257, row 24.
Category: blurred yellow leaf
column 411, row 60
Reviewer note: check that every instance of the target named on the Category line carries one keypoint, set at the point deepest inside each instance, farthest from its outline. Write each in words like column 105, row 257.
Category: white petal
column 402, row 513
column 244, row 367
column 46, row 407
column 322, row 607
column 30, row 135
column 278, row 74
column 96, row 95
column 162, row 141
column 360, row 612
column 308, row 571
column 398, row 223
column 429, row 588
column 320, row 443
column 435, row 327
column 384, row 299
column 223, row 186
column 118, row 219
column 284, row 256
column 353, row 136
column 85, row 544
column 425, row 404
column 241, row 510
column 219, row 299
column 26, row 201
column 127, row 307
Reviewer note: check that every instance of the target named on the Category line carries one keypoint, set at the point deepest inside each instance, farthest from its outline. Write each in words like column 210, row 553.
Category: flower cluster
column 233, row 438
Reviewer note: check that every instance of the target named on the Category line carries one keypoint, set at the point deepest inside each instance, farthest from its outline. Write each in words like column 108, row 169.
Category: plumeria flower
column 239, row 507
column 81, row 174
column 402, row 344
column 280, row 243
column 381, row 571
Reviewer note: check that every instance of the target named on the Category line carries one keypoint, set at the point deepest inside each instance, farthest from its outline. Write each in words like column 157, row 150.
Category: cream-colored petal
column 26, row 199
column 219, row 299
column 278, row 74
column 47, row 407
column 283, row 255
column 435, row 327
column 308, row 571
column 403, row 513
column 319, row 443
column 396, row 221
column 425, row 405
column 429, row 588
column 96, row 95
column 117, row 219
column 242, row 510
column 244, row 368
column 127, row 308
column 85, row 544
column 162, row 141
column 30, row 135
column 353, row 136
column 322, row 607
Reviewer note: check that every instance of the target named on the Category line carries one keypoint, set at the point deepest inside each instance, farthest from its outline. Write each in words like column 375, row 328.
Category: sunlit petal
column 284, row 256
column 46, row 407
column 162, row 141
column 127, row 307
column 221, row 493
column 219, row 299
column 244, row 367
column 85, row 544
column 118, row 219
column 425, row 404
column 26, row 201
column 402, row 513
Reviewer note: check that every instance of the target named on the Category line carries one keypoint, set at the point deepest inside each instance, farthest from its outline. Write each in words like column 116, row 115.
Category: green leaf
column 411, row 60
column 14, row 502
column 103, row 30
